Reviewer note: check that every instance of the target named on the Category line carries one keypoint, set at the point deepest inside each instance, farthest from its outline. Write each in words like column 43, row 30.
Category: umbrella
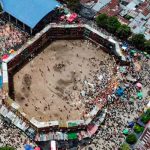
column 66, row 11
column 5, row 56
column 74, row 15
column 28, row 147
column 132, row 51
column 147, row 56
column 140, row 95
column 11, row 51
column 122, row 69
column 131, row 124
column 125, row 131
column 119, row 91
column 139, row 85
column 124, row 47
column 37, row 148
column 62, row 17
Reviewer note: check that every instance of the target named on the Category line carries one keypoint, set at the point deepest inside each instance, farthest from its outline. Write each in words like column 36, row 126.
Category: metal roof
column 30, row 12
column 100, row 4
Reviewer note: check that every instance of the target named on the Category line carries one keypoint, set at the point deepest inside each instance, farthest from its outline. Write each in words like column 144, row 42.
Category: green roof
column 72, row 124
column 72, row 136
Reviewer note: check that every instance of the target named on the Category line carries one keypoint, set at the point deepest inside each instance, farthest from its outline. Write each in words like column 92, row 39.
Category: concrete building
column 129, row 5
column 100, row 4
column 137, row 24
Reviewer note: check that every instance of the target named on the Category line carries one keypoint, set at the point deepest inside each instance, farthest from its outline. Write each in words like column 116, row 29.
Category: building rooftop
column 27, row 11
column 112, row 9
column 100, row 4
column 123, row 20
column 147, row 37
column 146, row 12
column 137, row 25
column 131, row 5
column 147, row 25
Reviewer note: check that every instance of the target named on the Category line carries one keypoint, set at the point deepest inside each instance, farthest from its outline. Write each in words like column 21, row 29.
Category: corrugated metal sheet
column 30, row 12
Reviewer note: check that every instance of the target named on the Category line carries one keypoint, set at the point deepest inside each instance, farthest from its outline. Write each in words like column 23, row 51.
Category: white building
column 100, row 4
column 137, row 24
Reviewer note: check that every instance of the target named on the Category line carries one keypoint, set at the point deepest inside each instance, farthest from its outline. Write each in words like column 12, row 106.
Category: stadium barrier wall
column 48, row 35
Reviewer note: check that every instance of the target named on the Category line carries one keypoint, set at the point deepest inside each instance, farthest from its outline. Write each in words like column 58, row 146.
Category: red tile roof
column 123, row 20
column 112, row 9
column 143, row 5
column 146, row 12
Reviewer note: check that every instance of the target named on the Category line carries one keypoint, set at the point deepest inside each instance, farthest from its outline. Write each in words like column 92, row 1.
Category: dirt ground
column 49, row 86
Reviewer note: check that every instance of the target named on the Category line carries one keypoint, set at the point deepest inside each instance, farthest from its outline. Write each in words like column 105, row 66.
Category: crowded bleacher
column 10, row 37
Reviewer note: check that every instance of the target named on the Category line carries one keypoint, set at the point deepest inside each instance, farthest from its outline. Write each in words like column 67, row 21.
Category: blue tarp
column 30, row 12
column 28, row 147
column 120, row 91
column 131, row 124
column 1, row 82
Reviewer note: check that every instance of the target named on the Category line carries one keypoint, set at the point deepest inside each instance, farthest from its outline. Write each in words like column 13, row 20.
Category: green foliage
column 7, row 148
column 128, row 17
column 148, row 111
column 147, row 46
column 101, row 20
column 73, row 4
column 131, row 138
column 0, row 7
column 138, row 40
column 109, row 23
column 123, row 31
column 113, row 24
column 138, row 129
column 125, row 146
column 145, row 118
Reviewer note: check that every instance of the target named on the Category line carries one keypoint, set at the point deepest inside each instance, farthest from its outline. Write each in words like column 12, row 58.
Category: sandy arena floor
column 49, row 86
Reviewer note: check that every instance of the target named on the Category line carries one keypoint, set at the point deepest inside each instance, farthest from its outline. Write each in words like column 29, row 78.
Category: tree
column 0, row 7
column 128, row 17
column 138, row 40
column 101, row 20
column 147, row 46
column 138, row 129
column 73, row 4
column 125, row 146
column 113, row 24
column 145, row 118
column 7, row 148
column 148, row 111
column 131, row 138
column 123, row 31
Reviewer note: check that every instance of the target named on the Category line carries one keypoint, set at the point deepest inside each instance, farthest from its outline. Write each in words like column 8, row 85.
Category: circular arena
column 59, row 80
column 67, row 83
column 66, row 73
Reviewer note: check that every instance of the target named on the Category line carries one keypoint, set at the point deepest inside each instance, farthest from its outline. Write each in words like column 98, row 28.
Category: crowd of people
column 10, row 37
column 122, row 110
column 12, row 136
